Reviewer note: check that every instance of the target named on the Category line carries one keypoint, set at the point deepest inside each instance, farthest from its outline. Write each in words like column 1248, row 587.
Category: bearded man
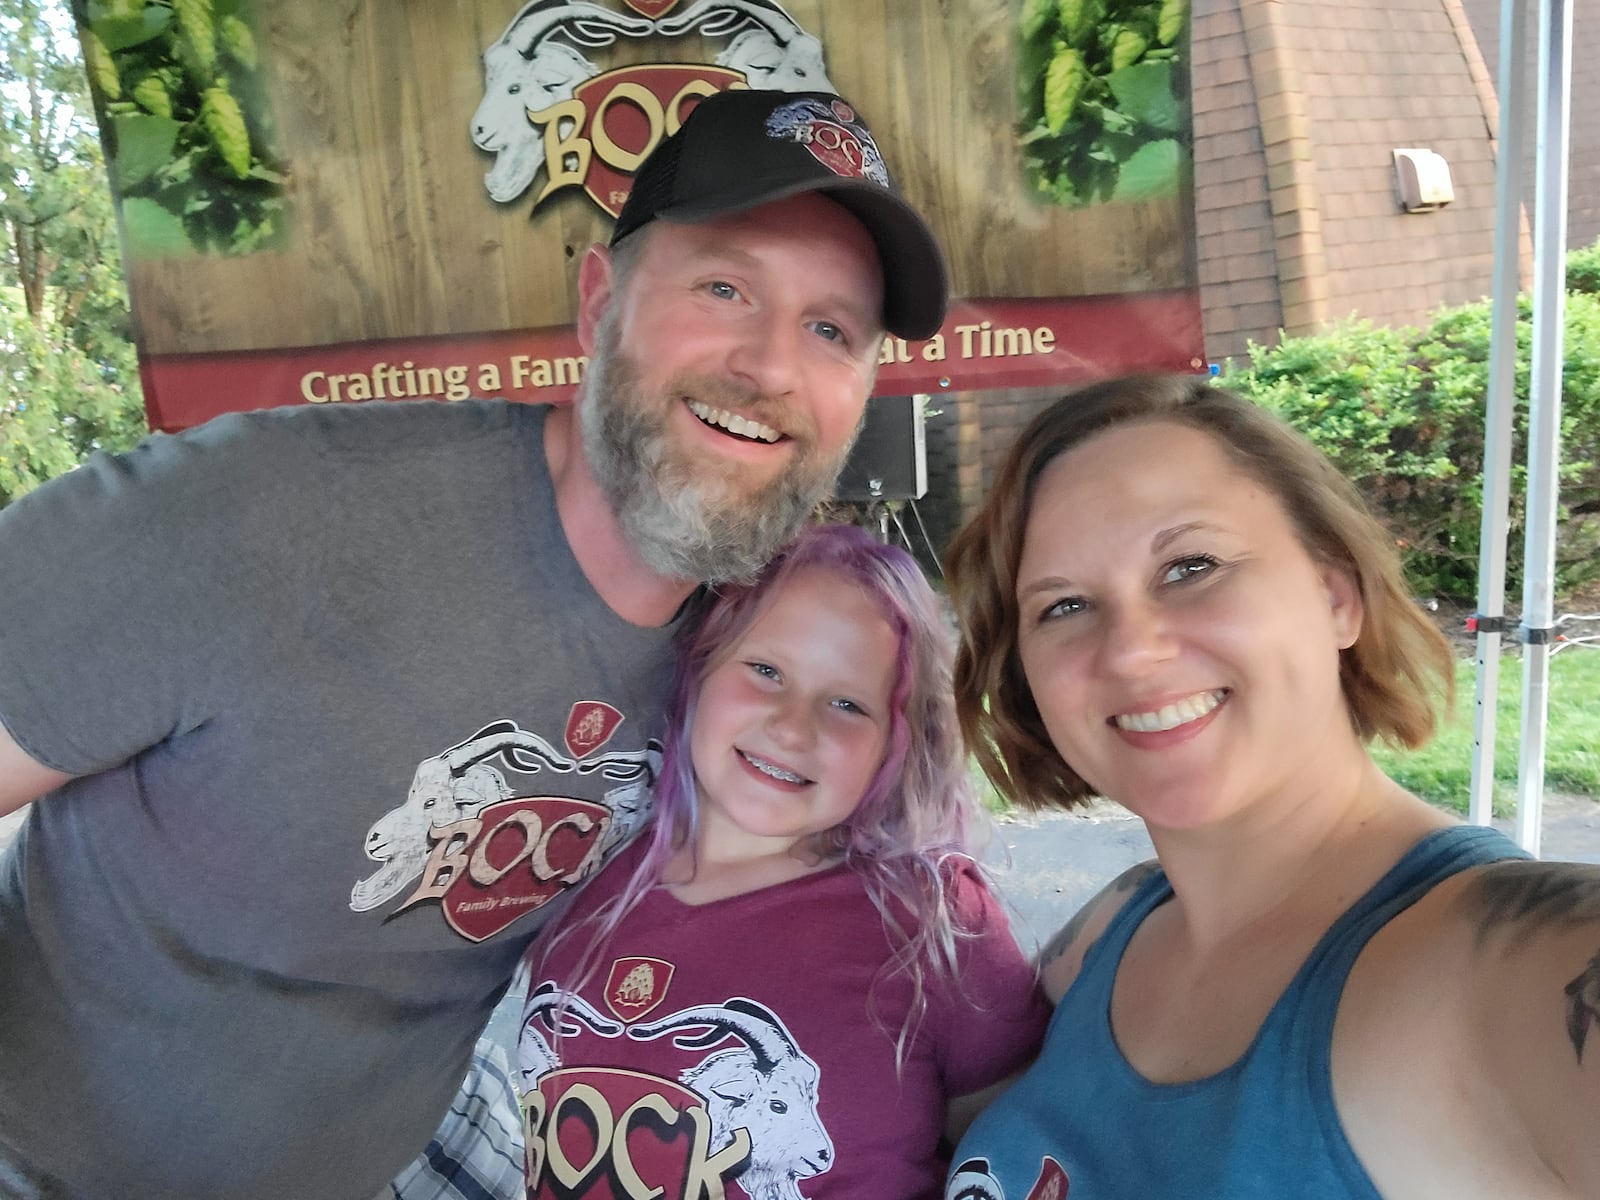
column 242, row 665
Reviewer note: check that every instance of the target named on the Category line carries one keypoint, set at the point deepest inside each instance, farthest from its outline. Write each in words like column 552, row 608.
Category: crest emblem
column 833, row 135
column 590, row 724
column 513, row 858
column 623, row 115
column 636, row 986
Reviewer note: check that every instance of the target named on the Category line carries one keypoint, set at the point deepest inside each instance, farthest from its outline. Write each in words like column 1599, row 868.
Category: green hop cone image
column 1036, row 15
column 153, row 96
column 224, row 123
column 1169, row 25
column 199, row 32
column 1080, row 18
column 238, row 41
column 1128, row 48
column 1064, row 82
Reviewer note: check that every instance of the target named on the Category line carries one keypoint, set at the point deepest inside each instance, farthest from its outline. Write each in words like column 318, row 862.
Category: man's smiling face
column 729, row 371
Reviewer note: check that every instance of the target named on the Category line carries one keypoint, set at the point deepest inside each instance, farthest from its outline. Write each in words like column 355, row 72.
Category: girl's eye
column 1065, row 607
column 1196, row 566
column 765, row 670
column 847, row 705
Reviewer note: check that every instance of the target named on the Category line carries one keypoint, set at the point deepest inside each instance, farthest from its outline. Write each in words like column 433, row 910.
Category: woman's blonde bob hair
column 1392, row 676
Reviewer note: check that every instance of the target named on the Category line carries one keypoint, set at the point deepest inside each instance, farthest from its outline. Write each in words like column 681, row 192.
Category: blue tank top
column 1263, row 1128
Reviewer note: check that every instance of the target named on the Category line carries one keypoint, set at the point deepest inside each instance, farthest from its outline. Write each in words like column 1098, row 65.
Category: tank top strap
column 1308, row 1011
column 1091, row 991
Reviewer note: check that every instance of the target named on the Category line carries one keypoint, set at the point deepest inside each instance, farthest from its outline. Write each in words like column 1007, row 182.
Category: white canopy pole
column 1502, row 399
column 1544, row 406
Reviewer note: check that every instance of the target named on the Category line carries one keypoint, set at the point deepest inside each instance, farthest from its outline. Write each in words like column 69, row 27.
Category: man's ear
column 595, row 279
column 1345, row 603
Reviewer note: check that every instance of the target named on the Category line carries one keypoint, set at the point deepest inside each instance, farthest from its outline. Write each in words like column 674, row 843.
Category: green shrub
column 1583, row 269
column 1401, row 411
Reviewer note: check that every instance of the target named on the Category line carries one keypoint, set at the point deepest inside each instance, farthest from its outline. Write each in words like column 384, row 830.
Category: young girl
column 784, row 983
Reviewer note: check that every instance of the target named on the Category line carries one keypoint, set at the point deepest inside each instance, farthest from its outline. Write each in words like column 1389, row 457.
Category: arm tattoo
column 1068, row 934
column 1583, row 1004
column 1531, row 894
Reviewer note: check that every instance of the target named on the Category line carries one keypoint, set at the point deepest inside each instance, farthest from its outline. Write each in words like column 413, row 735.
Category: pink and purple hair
column 919, row 807
column 919, row 802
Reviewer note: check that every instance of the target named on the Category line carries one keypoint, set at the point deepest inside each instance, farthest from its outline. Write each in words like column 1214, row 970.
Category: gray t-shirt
column 348, row 715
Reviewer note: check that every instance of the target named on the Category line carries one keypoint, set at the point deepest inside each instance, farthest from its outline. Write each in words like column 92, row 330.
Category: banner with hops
column 326, row 204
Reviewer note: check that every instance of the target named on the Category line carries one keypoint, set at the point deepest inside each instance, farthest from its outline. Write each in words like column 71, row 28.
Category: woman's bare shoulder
column 1062, row 956
column 1489, row 990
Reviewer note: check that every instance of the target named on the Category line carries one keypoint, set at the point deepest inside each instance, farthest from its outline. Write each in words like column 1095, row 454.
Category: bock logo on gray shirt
column 482, row 833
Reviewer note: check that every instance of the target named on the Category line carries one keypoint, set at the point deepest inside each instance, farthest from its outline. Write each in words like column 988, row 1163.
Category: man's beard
column 687, row 518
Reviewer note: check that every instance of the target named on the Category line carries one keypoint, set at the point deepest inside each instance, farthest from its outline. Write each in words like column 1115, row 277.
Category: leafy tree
column 68, row 377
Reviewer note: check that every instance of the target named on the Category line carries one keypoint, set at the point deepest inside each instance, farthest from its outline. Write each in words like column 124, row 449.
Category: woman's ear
column 1345, row 605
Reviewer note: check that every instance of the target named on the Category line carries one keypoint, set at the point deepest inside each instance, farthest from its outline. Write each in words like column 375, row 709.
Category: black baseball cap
column 742, row 148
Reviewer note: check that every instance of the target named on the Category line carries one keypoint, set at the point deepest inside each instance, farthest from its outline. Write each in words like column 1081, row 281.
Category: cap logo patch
column 834, row 136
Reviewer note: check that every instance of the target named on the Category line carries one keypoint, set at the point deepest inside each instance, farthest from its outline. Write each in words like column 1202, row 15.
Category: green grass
column 1441, row 771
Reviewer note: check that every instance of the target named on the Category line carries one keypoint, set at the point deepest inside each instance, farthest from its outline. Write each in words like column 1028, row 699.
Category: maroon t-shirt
column 729, row 1048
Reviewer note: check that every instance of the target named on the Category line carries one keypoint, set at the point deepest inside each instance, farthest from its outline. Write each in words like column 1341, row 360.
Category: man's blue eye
column 723, row 291
column 828, row 331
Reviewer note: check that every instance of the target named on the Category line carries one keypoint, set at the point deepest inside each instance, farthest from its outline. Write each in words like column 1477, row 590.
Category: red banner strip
column 983, row 345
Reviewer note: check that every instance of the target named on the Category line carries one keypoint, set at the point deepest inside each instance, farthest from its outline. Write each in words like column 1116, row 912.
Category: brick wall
column 1583, row 174
column 1375, row 75
column 1237, row 251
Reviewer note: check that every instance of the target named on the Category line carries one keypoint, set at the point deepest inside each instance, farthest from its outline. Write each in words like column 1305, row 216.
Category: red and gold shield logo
column 636, row 985
column 515, row 857
column 626, row 112
column 590, row 725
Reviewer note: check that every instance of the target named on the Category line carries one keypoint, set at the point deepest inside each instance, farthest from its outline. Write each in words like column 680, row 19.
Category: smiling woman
column 1172, row 599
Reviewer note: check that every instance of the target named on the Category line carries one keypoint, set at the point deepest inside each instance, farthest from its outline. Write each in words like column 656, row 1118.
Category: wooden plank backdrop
column 394, row 235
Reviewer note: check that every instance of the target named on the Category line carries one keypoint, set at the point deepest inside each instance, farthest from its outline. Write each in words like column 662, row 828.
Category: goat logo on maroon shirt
column 727, row 1095
column 491, row 828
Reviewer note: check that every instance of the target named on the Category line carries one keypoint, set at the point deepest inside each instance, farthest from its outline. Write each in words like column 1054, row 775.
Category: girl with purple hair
column 782, row 985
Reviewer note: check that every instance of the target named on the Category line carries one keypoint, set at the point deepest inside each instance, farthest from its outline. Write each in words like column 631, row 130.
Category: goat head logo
column 547, row 105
